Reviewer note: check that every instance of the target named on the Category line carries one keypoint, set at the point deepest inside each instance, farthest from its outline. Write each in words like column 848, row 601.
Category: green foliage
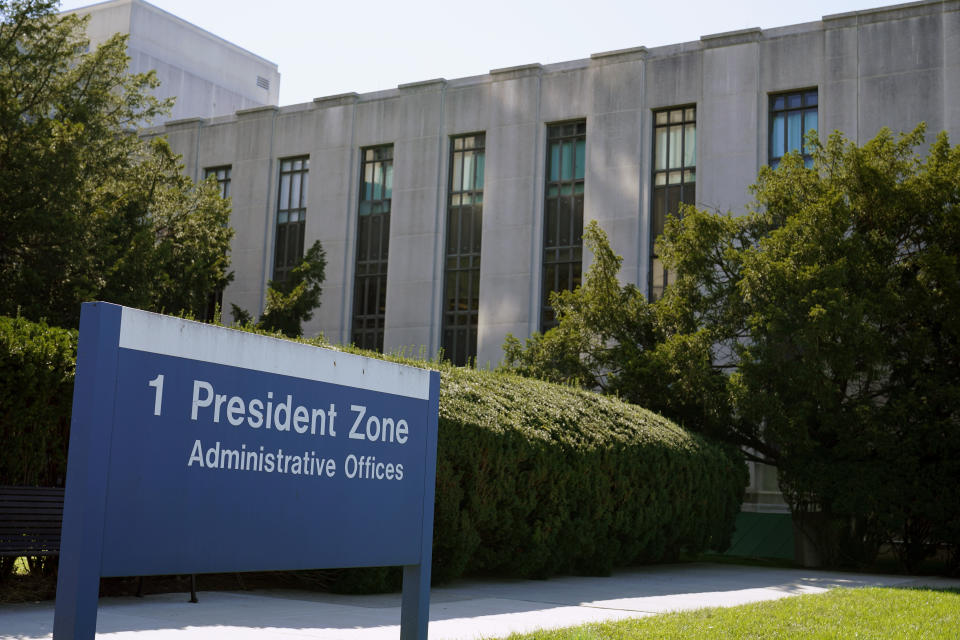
column 88, row 209
column 533, row 478
column 169, row 247
column 292, row 301
column 820, row 332
column 609, row 338
column 603, row 327
column 36, row 390
column 838, row 297
column 242, row 318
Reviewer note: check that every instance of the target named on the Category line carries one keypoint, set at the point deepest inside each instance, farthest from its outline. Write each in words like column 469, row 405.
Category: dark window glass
column 461, row 297
column 222, row 175
column 223, row 179
column 373, row 238
column 291, row 216
column 562, row 213
column 674, row 179
column 792, row 115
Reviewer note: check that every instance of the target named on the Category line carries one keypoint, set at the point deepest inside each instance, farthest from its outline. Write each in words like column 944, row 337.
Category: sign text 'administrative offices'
column 301, row 431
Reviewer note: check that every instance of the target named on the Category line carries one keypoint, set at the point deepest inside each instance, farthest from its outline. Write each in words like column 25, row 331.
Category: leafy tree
column 838, row 298
column 852, row 369
column 89, row 209
column 821, row 332
column 608, row 337
column 600, row 325
column 291, row 302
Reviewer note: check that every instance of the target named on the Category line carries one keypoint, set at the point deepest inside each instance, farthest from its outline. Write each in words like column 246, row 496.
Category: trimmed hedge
column 533, row 478
column 36, row 393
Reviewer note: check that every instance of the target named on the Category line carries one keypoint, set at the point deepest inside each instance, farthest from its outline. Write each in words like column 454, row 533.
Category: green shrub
column 536, row 479
column 36, row 392
column 533, row 478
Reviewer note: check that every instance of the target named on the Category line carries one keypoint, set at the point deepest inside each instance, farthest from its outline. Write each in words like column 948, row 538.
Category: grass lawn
column 911, row 614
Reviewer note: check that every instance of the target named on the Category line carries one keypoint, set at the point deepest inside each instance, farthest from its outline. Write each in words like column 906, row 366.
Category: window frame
column 222, row 173
column 805, row 108
column 562, row 262
column 462, row 251
column 368, row 318
column 687, row 187
column 289, row 234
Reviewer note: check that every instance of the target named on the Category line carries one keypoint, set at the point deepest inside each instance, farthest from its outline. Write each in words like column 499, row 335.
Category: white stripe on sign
column 169, row 336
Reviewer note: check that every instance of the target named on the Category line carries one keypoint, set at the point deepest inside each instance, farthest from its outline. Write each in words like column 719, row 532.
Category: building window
column 291, row 216
column 222, row 174
column 674, row 179
column 215, row 298
column 373, row 240
column 792, row 115
column 563, row 213
column 461, row 297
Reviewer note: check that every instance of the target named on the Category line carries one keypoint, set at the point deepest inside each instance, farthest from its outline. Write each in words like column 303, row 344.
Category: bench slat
column 30, row 520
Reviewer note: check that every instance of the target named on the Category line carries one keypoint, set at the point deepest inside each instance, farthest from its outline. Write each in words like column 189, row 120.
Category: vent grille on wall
column 263, row 83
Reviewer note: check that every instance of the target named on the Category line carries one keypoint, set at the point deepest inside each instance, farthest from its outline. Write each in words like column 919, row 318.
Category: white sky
column 327, row 47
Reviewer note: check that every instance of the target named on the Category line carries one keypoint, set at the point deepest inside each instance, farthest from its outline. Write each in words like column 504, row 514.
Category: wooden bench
column 30, row 521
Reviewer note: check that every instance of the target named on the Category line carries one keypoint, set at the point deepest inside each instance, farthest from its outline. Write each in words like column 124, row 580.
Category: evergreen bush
column 533, row 478
column 36, row 392
column 536, row 479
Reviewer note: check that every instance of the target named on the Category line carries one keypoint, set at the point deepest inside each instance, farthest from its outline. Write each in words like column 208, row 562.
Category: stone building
column 449, row 209
column 208, row 75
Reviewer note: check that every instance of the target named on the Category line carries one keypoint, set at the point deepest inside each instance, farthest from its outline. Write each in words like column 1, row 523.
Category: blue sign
column 197, row 449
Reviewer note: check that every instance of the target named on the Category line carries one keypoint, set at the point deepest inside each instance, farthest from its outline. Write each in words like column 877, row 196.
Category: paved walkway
column 460, row 611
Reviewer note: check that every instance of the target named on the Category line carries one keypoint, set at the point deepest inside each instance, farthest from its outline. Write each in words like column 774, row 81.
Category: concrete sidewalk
column 462, row 610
